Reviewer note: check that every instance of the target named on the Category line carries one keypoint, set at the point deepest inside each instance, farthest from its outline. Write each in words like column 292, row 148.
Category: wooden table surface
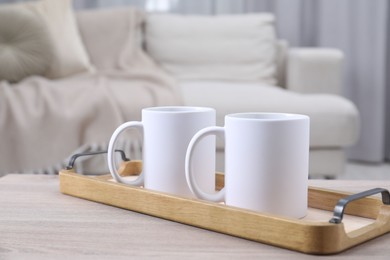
column 38, row 222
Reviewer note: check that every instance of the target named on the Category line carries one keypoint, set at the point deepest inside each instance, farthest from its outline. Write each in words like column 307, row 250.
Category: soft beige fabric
column 223, row 47
column 43, row 121
column 315, row 70
column 70, row 56
column 25, row 46
column 327, row 162
column 110, row 34
column 334, row 120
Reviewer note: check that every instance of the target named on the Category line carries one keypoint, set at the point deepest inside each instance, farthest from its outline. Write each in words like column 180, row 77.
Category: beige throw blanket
column 42, row 122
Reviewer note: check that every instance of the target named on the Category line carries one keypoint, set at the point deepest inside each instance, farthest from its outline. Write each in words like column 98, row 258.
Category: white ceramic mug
column 166, row 133
column 266, row 162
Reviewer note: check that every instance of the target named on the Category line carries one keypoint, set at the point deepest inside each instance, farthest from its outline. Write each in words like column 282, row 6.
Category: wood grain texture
column 299, row 235
column 38, row 222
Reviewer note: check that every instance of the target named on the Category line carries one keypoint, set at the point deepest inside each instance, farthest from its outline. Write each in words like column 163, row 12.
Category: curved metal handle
column 338, row 211
column 75, row 156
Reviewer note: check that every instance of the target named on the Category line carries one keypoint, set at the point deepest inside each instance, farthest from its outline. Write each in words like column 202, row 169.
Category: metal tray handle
column 338, row 211
column 75, row 156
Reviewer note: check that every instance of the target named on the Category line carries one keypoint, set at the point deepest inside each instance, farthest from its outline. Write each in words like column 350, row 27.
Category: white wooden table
column 38, row 222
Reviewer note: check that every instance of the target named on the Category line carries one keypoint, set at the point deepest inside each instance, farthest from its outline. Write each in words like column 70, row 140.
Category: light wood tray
column 313, row 235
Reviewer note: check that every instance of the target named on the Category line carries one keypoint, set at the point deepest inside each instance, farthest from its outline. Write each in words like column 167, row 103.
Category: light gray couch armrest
column 314, row 70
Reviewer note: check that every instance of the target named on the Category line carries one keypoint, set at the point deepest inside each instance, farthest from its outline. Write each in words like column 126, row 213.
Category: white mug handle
column 196, row 190
column 111, row 151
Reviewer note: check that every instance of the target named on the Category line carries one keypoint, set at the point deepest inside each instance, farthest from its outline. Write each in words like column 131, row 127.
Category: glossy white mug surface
column 266, row 162
column 166, row 133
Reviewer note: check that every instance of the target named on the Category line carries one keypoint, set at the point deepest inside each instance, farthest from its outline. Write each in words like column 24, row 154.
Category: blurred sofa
column 236, row 63
column 132, row 59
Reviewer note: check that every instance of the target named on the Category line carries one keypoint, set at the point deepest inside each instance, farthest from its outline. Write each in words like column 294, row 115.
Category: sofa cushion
column 69, row 55
column 110, row 35
column 224, row 47
column 25, row 46
column 334, row 120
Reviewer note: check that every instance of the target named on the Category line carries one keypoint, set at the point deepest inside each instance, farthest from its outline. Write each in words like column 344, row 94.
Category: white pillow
column 25, row 47
column 69, row 54
column 226, row 47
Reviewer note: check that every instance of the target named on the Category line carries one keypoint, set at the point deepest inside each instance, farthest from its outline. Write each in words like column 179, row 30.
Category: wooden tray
column 312, row 236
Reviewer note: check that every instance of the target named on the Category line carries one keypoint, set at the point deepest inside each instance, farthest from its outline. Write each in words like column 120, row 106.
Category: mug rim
column 178, row 109
column 267, row 116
